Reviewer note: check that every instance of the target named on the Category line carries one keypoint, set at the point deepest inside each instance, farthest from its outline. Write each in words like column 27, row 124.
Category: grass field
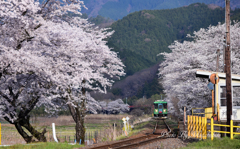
column 65, row 128
column 49, row 145
column 217, row 143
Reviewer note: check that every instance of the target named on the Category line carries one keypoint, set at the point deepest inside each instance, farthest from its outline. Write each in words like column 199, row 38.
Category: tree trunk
column 80, row 128
column 78, row 114
column 25, row 136
column 78, row 117
column 39, row 136
column 24, row 122
column 82, row 116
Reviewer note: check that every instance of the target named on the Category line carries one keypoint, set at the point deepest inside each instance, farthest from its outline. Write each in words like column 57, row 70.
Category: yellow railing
column 197, row 127
column 195, row 109
column 208, row 112
column 231, row 129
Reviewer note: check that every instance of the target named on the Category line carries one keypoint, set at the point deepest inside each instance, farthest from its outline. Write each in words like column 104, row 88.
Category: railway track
column 157, row 134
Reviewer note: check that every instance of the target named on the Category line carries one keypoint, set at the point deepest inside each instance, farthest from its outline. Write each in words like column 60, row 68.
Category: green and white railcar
column 160, row 109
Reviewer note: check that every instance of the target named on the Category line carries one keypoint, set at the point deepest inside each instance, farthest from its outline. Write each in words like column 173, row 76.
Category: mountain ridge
column 142, row 28
column 117, row 9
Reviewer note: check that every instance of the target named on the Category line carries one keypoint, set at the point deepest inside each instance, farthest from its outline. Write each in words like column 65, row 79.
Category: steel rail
column 132, row 145
column 134, row 142
column 169, row 129
column 112, row 145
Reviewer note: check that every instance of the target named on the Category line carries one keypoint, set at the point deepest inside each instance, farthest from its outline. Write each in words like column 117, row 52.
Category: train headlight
column 164, row 110
column 156, row 110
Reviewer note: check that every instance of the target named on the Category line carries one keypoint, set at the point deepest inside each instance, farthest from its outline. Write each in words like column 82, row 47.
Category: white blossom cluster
column 42, row 41
column 112, row 107
column 178, row 71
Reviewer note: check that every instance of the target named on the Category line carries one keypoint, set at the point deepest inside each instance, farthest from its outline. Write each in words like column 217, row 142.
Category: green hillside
column 140, row 36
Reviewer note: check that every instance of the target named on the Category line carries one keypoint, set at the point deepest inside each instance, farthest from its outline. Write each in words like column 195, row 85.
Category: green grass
column 133, row 132
column 217, row 143
column 43, row 146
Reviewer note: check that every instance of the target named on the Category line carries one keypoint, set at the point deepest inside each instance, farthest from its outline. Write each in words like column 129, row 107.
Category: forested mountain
column 140, row 36
column 117, row 9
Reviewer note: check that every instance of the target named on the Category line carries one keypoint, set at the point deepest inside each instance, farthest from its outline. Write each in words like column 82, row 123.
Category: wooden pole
column 213, row 102
column 228, row 66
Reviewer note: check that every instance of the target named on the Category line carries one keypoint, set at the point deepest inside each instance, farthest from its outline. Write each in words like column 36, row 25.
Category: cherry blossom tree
column 178, row 71
column 64, row 56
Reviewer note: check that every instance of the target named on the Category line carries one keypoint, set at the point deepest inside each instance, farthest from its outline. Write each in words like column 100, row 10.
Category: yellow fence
column 207, row 113
column 231, row 128
column 197, row 127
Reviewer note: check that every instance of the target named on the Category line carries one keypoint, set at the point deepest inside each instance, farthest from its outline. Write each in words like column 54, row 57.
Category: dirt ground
column 169, row 143
column 10, row 136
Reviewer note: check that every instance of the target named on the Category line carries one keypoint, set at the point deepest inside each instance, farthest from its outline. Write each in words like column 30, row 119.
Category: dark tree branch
column 5, row 96
column 45, row 5
column 39, row 25
column 20, row 44
column 73, row 112
column 25, row 111
column 24, row 13
column 5, row 69
column 19, row 92
column 10, row 90
column 27, row 32
column 8, row 120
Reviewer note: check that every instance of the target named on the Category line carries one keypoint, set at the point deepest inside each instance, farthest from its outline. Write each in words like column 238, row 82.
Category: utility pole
column 228, row 66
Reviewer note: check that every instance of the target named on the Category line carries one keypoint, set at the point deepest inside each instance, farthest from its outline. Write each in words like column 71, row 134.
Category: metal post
column 231, row 129
column 188, row 122
column 114, row 131
column 228, row 66
column 197, row 128
column 202, row 125
column 0, row 134
column 54, row 132
column 212, row 129
column 184, row 117
column 216, row 94
column 194, row 126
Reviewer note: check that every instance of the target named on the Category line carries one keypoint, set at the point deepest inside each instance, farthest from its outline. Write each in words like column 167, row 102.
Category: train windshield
column 160, row 106
column 165, row 106
column 155, row 106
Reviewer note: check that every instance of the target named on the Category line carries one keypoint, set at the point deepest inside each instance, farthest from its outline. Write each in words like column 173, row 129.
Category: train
column 160, row 109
